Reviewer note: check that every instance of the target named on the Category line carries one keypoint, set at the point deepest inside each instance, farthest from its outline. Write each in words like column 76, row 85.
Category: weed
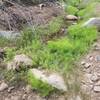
column 10, row 53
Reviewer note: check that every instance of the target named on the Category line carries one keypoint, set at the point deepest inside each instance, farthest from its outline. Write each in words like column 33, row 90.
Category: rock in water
column 18, row 61
column 53, row 79
column 3, row 86
column 93, row 22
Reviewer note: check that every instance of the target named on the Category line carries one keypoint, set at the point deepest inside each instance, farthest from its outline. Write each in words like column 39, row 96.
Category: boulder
column 93, row 22
column 71, row 17
column 53, row 79
column 9, row 34
column 19, row 61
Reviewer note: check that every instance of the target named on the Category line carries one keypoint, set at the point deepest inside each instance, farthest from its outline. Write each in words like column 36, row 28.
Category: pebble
column 83, row 63
column 24, row 97
column 16, row 98
column 91, row 58
column 87, row 65
column 3, row 86
column 94, row 78
column 78, row 98
column 97, row 58
column 97, row 83
column 96, row 89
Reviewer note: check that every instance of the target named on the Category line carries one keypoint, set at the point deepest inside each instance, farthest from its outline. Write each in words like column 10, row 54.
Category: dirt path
column 91, row 72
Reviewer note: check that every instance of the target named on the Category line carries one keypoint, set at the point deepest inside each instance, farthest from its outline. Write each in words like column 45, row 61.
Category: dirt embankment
column 15, row 16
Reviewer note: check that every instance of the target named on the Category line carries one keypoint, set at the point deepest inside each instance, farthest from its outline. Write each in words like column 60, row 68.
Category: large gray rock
column 53, row 79
column 18, row 61
column 93, row 22
column 9, row 34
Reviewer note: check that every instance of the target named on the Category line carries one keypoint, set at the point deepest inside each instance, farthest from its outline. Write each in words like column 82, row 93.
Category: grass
column 58, row 54
column 71, row 10
column 4, row 42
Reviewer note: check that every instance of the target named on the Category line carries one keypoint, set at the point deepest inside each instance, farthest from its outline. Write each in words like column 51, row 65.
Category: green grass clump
column 85, row 34
column 27, row 35
column 71, row 10
column 72, row 2
column 38, row 85
column 88, row 11
column 10, row 53
column 53, row 27
column 82, row 38
column 4, row 42
column 61, row 45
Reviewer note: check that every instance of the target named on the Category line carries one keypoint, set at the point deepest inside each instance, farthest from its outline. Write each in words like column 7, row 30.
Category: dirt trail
column 91, row 72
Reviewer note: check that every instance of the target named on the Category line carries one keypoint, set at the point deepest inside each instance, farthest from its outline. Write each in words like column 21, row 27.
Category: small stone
column 71, row 17
column 97, row 83
column 96, row 89
column 87, row 65
column 94, row 78
column 34, row 97
column 87, row 79
column 3, row 86
column 24, row 97
column 91, row 58
column 78, row 98
column 28, row 89
column 16, row 98
column 83, row 63
column 7, row 99
column 10, row 89
column 97, row 58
